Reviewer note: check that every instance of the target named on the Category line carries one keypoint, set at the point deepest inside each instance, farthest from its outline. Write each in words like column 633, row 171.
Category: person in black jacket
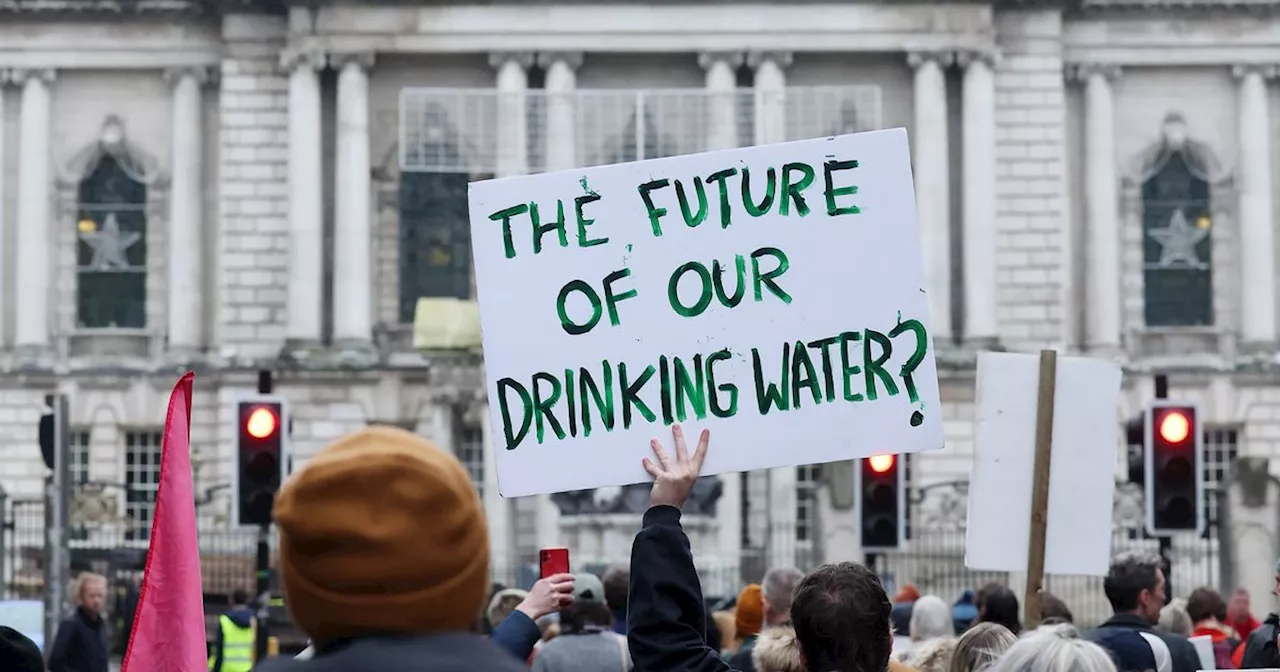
column 1135, row 587
column 1261, row 648
column 81, row 642
column 840, row 610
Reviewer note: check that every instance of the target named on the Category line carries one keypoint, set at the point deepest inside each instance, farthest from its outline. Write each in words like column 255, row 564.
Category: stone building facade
column 245, row 184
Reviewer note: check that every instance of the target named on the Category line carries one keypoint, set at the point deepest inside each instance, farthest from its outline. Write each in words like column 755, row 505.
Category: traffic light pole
column 265, row 385
column 57, row 498
column 1166, row 543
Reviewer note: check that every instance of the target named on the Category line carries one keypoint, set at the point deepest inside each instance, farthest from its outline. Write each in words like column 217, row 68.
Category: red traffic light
column 262, row 423
column 881, row 463
column 1175, row 427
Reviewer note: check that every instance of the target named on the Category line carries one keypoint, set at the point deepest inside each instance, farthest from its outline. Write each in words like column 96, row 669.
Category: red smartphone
column 553, row 561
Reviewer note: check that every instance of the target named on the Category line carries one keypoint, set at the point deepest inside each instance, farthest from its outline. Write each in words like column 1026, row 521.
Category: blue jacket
column 445, row 652
column 517, row 635
column 1122, row 637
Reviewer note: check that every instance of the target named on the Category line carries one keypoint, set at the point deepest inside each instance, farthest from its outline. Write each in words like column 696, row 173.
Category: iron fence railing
column 932, row 558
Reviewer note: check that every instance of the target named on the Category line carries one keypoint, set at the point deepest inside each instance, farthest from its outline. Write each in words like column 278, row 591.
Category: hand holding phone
column 552, row 561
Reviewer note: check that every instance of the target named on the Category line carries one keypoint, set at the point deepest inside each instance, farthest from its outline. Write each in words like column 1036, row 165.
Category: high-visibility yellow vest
column 237, row 646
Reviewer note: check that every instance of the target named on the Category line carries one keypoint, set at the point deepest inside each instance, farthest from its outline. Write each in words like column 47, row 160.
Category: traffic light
column 881, row 502
column 261, row 426
column 1174, row 478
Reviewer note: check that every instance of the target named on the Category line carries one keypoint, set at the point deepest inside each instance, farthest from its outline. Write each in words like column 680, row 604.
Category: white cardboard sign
column 774, row 295
column 1086, row 436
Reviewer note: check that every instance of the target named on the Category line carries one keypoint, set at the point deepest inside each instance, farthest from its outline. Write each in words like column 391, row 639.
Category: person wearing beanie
column 1260, row 648
column 18, row 653
column 384, row 558
column 748, row 618
column 777, row 590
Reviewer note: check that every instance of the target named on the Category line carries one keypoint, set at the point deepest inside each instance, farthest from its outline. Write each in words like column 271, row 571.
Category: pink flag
column 168, row 628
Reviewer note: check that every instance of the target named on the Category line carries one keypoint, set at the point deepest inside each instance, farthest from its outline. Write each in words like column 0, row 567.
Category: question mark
column 908, row 368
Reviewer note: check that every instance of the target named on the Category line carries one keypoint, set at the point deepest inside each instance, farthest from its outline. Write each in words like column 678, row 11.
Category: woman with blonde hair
column 980, row 646
column 777, row 650
column 1056, row 648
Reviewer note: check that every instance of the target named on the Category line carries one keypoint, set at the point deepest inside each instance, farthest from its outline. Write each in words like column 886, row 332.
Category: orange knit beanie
column 748, row 617
column 382, row 532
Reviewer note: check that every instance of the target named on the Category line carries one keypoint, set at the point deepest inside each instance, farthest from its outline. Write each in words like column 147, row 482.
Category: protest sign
column 774, row 295
column 1085, row 435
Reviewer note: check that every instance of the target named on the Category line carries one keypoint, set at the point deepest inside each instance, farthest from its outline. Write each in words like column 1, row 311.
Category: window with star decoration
column 111, row 248
column 1177, row 246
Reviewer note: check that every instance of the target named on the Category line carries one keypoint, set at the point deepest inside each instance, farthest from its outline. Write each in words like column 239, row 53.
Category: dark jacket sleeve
column 741, row 659
column 217, row 650
column 1260, row 648
column 666, row 619
column 61, row 647
column 517, row 635
column 1183, row 652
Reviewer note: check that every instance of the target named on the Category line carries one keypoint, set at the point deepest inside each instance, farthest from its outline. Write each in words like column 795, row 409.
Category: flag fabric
column 168, row 627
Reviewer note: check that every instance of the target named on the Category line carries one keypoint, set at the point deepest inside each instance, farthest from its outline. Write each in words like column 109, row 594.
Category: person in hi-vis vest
column 233, row 650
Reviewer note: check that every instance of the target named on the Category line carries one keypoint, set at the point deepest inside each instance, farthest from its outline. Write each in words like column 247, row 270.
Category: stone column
column 353, row 228
column 4, row 82
column 930, row 163
column 1257, row 217
column 497, row 511
column 562, row 113
column 306, row 214
column 33, row 256
column 513, row 120
column 722, row 98
column 186, row 213
column 771, row 94
column 1103, row 286
column 562, row 154
column 784, row 535
column 981, row 327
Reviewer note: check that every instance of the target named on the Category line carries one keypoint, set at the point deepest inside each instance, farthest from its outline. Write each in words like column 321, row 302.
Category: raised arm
column 666, row 618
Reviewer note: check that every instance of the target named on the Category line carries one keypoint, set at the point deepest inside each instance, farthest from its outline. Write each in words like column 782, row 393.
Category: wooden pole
column 1040, row 486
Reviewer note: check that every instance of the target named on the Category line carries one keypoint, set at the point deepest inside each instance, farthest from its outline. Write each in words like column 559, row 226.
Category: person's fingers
column 700, row 453
column 661, row 454
column 682, row 450
column 651, row 468
column 560, row 578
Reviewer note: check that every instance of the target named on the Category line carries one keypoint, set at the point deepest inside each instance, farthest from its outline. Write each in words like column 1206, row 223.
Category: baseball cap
column 587, row 589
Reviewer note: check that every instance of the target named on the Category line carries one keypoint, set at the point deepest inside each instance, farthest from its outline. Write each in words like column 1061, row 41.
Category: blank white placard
column 1082, row 477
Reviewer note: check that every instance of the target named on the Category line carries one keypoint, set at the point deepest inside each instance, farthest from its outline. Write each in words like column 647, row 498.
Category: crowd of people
column 384, row 559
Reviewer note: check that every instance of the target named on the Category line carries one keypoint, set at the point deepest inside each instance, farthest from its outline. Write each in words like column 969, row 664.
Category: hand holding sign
column 673, row 482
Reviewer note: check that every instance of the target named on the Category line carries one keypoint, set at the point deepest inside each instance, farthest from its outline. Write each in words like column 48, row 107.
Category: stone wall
column 1033, row 243
column 252, row 268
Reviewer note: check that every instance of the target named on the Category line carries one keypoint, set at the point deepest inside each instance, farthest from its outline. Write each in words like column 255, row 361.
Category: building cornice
column 139, row 8
column 98, row 8
column 633, row 27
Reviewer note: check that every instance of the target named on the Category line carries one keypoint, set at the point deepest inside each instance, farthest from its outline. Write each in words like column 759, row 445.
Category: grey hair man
column 1135, row 587
column 778, row 588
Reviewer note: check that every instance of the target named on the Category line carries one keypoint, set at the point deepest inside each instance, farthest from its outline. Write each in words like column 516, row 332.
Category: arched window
column 1177, row 244
column 111, row 248
column 435, row 229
